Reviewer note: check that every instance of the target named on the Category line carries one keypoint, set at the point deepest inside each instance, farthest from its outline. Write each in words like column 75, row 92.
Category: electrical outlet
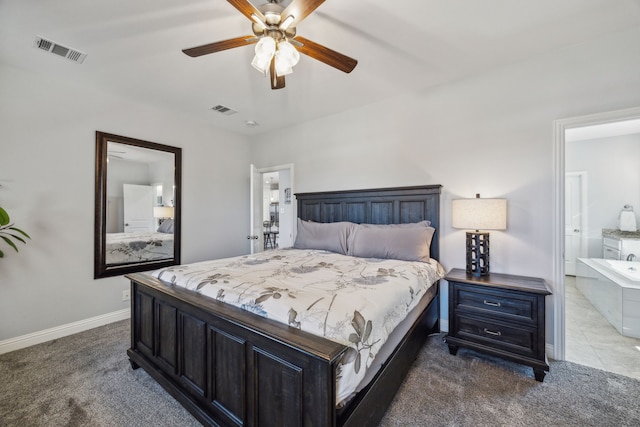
column 126, row 296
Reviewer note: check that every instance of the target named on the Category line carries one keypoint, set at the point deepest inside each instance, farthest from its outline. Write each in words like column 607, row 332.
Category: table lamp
column 162, row 212
column 479, row 214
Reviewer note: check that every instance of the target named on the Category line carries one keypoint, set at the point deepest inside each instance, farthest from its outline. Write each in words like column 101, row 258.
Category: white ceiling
column 402, row 46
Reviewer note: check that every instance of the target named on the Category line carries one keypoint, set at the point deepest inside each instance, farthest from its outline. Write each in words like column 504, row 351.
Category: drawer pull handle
column 487, row 331
column 492, row 304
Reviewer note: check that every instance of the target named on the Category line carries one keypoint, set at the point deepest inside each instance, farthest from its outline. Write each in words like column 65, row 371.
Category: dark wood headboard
column 397, row 205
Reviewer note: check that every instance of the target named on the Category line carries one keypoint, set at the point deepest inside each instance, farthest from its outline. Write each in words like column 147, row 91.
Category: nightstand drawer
column 500, row 314
column 511, row 305
column 520, row 340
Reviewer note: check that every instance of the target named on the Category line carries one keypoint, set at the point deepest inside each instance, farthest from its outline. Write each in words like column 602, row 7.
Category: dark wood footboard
column 233, row 368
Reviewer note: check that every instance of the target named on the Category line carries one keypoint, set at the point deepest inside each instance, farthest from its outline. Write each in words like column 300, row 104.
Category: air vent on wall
column 63, row 51
column 224, row 110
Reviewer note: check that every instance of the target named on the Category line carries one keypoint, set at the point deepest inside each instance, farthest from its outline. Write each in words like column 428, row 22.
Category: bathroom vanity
column 618, row 244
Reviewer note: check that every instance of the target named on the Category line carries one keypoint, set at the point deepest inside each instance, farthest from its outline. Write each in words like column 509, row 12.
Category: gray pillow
column 166, row 226
column 330, row 236
column 408, row 242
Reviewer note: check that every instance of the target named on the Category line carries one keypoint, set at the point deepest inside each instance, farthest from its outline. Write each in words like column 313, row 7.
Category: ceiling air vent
column 63, row 51
column 224, row 110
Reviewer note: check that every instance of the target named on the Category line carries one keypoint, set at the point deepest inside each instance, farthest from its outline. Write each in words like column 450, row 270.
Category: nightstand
column 499, row 314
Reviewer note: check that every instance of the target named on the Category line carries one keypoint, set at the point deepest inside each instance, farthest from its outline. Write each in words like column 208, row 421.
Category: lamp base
column 477, row 253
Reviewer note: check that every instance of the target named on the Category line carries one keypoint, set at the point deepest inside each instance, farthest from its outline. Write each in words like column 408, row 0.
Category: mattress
column 357, row 302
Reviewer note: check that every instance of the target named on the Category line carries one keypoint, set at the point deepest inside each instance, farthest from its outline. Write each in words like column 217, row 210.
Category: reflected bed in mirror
column 137, row 205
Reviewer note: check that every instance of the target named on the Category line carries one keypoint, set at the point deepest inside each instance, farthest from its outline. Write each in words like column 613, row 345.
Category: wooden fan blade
column 326, row 55
column 247, row 9
column 219, row 46
column 277, row 82
column 299, row 9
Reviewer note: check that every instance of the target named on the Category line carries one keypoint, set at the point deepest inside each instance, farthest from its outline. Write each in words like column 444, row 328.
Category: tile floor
column 592, row 341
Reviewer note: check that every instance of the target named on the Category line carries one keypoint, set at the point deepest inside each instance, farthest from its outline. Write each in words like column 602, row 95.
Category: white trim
column 559, row 127
column 549, row 350
column 62, row 331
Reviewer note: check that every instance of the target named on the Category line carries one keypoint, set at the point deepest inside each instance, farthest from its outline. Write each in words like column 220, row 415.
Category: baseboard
column 444, row 325
column 62, row 331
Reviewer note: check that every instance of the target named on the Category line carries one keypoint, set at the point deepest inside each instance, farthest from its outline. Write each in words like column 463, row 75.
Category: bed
column 137, row 246
column 231, row 366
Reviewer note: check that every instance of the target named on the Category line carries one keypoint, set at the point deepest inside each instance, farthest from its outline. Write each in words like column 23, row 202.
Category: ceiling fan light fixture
column 265, row 49
column 288, row 54
column 282, row 68
column 260, row 64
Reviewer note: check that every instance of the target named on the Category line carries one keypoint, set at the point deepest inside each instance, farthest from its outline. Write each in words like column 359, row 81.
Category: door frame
column 294, row 206
column 559, row 128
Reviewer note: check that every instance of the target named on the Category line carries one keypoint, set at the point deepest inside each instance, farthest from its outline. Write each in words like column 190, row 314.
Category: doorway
column 566, row 299
column 272, row 208
column 575, row 220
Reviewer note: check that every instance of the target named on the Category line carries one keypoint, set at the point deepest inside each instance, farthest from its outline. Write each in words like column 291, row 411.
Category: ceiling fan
column 278, row 47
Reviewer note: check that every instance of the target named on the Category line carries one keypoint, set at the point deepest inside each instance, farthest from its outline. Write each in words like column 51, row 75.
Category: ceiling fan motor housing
column 273, row 17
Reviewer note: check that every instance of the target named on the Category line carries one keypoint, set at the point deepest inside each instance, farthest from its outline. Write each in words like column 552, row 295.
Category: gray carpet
column 86, row 380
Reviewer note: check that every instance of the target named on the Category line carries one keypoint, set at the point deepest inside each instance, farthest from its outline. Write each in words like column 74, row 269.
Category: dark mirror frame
column 101, row 268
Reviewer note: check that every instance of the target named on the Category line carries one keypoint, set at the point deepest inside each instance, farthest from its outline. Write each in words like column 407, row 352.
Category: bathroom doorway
column 601, row 150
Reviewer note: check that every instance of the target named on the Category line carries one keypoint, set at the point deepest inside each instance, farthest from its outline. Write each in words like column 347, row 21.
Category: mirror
column 137, row 205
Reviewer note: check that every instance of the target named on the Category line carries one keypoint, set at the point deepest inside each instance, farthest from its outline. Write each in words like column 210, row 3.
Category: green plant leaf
column 20, row 231
column 1, row 254
column 10, row 242
column 4, row 217
column 16, row 237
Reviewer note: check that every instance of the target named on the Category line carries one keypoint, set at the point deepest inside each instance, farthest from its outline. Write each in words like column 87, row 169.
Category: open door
column 575, row 226
column 256, row 236
column 138, row 207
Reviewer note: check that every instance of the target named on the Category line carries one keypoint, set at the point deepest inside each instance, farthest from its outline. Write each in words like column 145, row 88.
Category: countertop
column 611, row 232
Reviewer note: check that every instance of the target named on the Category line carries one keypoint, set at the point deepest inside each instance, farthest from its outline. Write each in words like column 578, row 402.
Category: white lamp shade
column 265, row 49
column 286, row 58
column 479, row 214
column 282, row 68
column 289, row 53
column 163, row 212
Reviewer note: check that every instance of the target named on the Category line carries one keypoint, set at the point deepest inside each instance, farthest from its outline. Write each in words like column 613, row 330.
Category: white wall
column 490, row 134
column 613, row 180
column 47, row 151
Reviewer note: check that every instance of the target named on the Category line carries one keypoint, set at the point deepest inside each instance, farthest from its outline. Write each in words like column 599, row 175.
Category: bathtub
column 613, row 288
column 629, row 269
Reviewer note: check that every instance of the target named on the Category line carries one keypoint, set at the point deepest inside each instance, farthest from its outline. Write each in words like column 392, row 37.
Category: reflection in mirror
column 137, row 205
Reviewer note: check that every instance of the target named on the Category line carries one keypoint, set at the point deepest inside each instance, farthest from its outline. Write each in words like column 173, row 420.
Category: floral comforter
column 138, row 246
column 353, row 301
